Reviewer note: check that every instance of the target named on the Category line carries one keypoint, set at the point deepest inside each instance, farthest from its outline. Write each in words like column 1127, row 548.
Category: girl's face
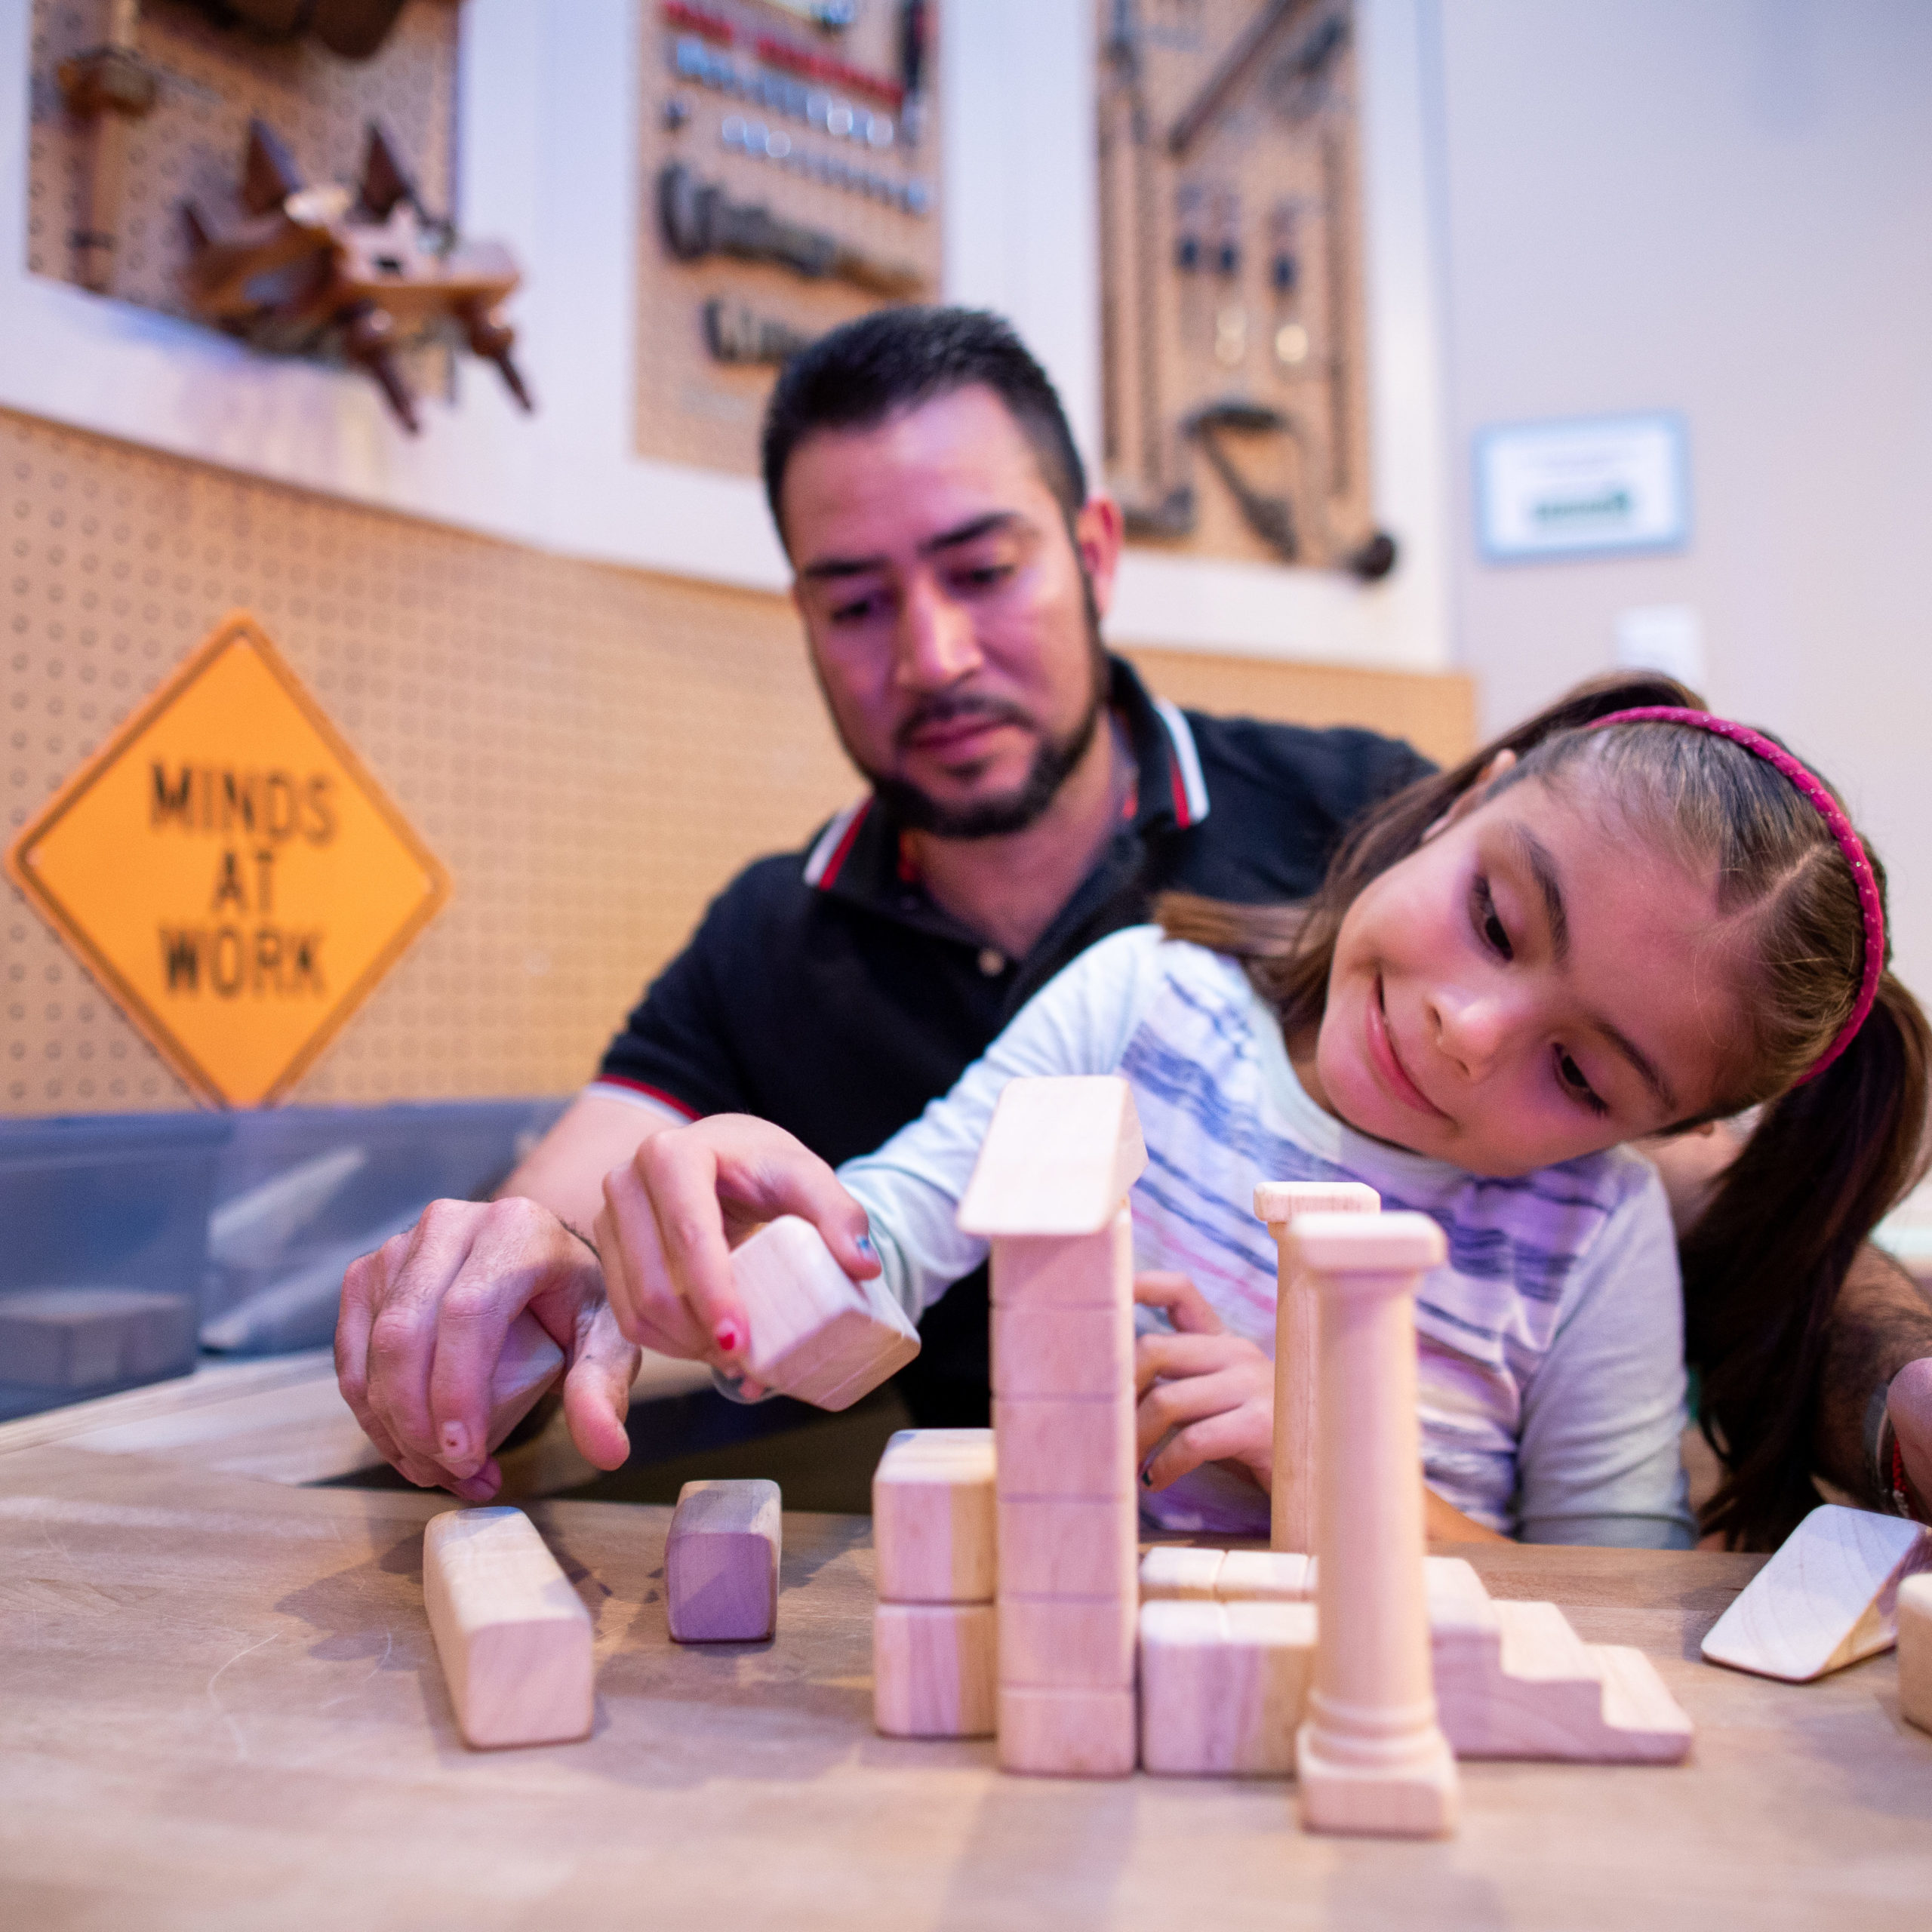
column 1533, row 984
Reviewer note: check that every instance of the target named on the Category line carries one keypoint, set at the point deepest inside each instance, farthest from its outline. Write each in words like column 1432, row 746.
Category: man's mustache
column 950, row 710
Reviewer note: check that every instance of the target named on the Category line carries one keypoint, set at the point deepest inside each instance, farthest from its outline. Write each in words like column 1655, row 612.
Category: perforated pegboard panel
column 690, row 407
column 190, row 146
column 592, row 752
column 1275, row 171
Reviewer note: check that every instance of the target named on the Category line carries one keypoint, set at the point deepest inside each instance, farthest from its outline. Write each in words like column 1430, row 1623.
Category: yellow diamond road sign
column 231, row 872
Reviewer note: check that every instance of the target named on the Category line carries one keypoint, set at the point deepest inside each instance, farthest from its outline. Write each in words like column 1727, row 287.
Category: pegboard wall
column 1230, row 273
column 795, row 143
column 592, row 752
column 211, row 81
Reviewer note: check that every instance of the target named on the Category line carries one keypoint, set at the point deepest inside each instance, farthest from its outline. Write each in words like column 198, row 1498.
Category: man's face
column 949, row 616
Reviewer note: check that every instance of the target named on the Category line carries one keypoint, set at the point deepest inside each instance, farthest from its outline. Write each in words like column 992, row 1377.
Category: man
column 1027, row 797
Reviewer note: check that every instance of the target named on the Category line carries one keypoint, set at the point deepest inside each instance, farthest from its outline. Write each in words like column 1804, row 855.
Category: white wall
column 548, row 161
column 1721, row 208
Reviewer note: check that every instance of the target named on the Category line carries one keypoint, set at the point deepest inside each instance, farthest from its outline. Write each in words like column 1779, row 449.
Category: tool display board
column 210, row 82
column 1234, row 346
column 745, row 97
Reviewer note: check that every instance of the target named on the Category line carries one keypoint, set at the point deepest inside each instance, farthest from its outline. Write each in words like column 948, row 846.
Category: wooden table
column 220, row 1708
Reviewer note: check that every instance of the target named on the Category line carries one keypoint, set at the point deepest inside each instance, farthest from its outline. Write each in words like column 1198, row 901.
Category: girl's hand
column 1211, row 1394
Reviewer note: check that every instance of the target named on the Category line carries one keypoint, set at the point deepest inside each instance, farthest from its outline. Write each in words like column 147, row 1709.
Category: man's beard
column 1054, row 761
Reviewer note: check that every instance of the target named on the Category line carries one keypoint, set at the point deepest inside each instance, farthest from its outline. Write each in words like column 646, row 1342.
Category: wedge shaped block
column 1223, row 1686
column 1826, row 1598
column 720, row 1562
column 934, row 1527
column 935, row 1669
column 1067, row 1733
column 1058, row 1159
column 530, row 1364
column 513, row 1638
column 815, row 1333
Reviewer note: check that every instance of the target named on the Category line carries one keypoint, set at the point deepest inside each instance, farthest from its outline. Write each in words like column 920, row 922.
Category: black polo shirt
column 826, row 991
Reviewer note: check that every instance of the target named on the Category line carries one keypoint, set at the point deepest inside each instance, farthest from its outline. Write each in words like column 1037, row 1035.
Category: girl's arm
column 1598, row 1460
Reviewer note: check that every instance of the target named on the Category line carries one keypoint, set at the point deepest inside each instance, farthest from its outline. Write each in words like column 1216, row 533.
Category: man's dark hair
column 895, row 359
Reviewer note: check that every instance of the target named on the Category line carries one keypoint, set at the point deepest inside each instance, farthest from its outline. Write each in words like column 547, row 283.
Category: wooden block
column 1513, row 1680
column 934, row 1527
column 1172, row 1572
column 530, row 1362
column 1058, row 1159
column 1067, row 1733
column 1055, row 1351
column 1404, row 1244
column 1291, row 1498
column 1914, row 1614
column 1451, row 1579
column 1223, row 1686
column 513, row 1638
column 815, row 1333
column 1066, row 1643
column 1826, row 1598
column 935, row 1669
column 89, row 1338
column 1066, row 1447
column 1081, row 1546
column 1069, row 1271
column 1266, row 1575
column 720, row 1562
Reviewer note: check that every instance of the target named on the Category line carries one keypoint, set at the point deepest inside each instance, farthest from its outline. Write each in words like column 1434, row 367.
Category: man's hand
column 1908, row 1403
column 686, row 1198
column 422, row 1323
column 1210, row 1393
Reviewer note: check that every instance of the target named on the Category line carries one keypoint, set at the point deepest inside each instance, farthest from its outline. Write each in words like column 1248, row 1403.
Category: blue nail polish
column 864, row 1245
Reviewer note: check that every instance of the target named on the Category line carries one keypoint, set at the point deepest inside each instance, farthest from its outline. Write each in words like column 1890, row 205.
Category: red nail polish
column 728, row 1336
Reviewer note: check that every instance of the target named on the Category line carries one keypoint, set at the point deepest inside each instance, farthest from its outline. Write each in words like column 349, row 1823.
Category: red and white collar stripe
column 1190, row 800
column 826, row 859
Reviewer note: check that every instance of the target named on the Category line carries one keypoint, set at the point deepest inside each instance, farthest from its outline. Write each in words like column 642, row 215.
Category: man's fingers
column 1188, row 1309
column 597, row 1389
column 402, row 1337
column 1217, row 1438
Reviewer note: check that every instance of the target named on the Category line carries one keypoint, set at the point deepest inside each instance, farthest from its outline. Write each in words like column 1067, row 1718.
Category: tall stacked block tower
column 1049, row 1195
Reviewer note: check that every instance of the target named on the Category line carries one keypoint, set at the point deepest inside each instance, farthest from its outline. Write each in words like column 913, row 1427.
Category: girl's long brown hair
column 1764, row 1263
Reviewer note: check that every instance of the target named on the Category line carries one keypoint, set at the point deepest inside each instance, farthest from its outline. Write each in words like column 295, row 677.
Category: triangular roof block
column 1058, row 1159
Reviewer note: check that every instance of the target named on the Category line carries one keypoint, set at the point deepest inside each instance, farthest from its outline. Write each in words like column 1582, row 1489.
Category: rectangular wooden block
column 513, row 1638
column 1067, row 1733
column 1827, row 1597
column 815, row 1333
column 90, row 1338
column 1224, row 1686
column 720, row 1562
column 1084, row 1271
column 933, row 1527
column 1081, row 1547
column 1066, row 1643
column 1172, row 1572
column 1064, row 1446
column 1915, row 1612
column 935, row 1669
column 1046, row 1350
column 1266, row 1575
column 530, row 1364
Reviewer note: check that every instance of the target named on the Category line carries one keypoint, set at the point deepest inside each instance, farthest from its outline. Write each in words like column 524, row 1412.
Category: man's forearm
column 1881, row 1320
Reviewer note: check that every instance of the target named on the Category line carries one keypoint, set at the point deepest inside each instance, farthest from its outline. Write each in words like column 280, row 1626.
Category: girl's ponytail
column 1764, row 1265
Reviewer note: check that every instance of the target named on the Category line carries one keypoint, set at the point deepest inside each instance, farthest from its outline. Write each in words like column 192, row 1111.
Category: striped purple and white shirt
column 1550, row 1344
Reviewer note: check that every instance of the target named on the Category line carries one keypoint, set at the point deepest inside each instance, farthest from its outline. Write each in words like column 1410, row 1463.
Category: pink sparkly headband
column 1828, row 809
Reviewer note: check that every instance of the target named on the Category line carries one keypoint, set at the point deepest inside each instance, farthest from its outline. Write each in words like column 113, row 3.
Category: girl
column 1625, row 918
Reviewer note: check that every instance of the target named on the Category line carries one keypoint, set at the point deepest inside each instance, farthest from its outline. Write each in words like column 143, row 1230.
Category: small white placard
column 1580, row 488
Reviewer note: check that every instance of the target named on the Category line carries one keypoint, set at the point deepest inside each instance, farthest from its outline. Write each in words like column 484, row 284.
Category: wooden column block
column 720, row 1562
column 1177, row 1572
column 1081, row 1546
column 1372, row 1757
column 513, row 1638
column 1066, row 1643
column 1915, row 1613
column 815, row 1333
column 1266, row 1575
column 1067, row 1733
column 1826, row 1598
column 1051, row 1350
column 933, row 1526
column 1223, row 1686
column 935, row 1669
column 1291, row 1492
column 529, row 1365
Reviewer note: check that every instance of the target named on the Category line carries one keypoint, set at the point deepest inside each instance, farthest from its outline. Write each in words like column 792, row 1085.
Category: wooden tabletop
column 219, row 1707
